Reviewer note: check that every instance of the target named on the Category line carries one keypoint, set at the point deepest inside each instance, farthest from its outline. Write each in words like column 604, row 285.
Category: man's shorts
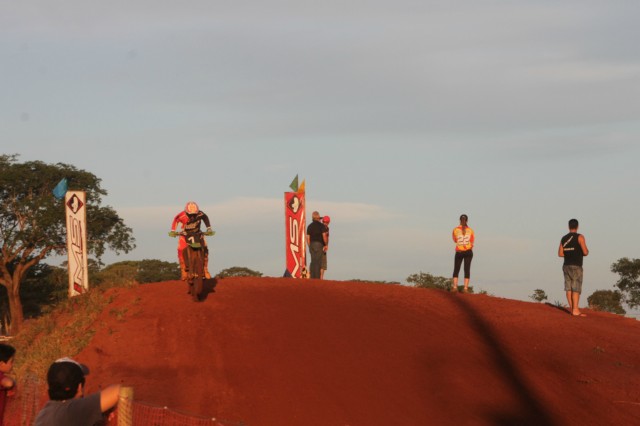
column 572, row 278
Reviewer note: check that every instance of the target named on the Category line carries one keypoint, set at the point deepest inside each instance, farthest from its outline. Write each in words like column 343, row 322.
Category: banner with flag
column 76, row 213
column 295, row 227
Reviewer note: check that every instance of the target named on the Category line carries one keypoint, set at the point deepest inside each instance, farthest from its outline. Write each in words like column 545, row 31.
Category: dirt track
column 273, row 351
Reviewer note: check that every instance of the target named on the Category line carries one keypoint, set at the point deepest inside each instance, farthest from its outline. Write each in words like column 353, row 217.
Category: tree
column 132, row 272
column 33, row 226
column 238, row 271
column 42, row 287
column 629, row 282
column 539, row 295
column 607, row 301
column 153, row 271
column 425, row 280
column 119, row 274
column 358, row 280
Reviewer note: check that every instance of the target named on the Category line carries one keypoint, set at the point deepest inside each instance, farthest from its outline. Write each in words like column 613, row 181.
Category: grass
column 64, row 331
column 119, row 313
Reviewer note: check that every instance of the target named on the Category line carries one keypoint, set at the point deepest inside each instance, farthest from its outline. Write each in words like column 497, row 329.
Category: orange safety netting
column 22, row 408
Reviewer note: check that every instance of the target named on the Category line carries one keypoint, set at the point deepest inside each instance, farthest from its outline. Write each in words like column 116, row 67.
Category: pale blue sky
column 400, row 115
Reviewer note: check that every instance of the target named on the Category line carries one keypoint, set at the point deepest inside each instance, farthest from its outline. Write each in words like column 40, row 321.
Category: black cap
column 64, row 376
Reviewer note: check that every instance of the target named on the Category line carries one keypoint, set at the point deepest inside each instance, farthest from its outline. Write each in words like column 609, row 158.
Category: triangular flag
column 301, row 188
column 61, row 189
column 294, row 184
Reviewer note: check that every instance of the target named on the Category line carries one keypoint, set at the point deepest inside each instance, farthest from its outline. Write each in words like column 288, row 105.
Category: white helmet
column 191, row 208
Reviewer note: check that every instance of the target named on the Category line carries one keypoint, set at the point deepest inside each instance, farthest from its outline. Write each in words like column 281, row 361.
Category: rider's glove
column 209, row 232
column 173, row 234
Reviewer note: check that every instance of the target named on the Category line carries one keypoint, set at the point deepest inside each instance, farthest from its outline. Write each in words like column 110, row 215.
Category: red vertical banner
column 295, row 223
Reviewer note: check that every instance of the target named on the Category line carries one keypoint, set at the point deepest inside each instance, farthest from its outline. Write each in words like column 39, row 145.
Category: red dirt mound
column 277, row 351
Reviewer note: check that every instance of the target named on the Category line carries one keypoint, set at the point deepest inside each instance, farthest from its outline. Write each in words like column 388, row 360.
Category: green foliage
column 43, row 287
column 539, row 295
column 119, row 274
column 131, row 272
column 607, row 301
column 44, row 339
column 153, row 271
column 629, row 282
column 375, row 282
column 425, row 280
column 238, row 271
column 33, row 225
column 29, row 213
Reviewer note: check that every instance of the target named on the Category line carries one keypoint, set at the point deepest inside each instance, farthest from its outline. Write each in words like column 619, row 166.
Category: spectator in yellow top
column 464, row 238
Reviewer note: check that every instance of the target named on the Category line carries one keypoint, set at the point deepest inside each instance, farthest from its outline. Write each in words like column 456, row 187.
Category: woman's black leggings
column 461, row 256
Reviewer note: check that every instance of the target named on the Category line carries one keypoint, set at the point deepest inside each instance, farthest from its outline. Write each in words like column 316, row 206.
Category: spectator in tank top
column 573, row 248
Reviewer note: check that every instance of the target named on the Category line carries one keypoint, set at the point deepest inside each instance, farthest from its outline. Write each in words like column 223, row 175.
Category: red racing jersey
column 190, row 222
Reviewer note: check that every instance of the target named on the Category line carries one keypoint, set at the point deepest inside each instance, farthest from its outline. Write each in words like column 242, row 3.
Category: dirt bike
column 194, row 259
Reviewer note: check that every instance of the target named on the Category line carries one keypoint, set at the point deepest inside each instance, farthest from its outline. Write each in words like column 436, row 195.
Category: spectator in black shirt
column 317, row 239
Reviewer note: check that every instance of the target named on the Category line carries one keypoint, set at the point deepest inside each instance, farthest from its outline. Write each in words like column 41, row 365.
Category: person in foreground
column 573, row 248
column 464, row 238
column 7, row 383
column 68, row 404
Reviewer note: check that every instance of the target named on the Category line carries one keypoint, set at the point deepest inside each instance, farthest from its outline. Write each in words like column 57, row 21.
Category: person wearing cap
column 325, row 221
column 317, row 240
column 190, row 219
column 464, row 238
column 68, row 404
column 7, row 383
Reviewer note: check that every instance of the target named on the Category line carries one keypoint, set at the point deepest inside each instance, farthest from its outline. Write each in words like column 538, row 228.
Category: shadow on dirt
column 560, row 308
column 528, row 410
column 208, row 287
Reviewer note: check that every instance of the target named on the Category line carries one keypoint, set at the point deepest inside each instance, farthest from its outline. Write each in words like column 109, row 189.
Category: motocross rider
column 190, row 219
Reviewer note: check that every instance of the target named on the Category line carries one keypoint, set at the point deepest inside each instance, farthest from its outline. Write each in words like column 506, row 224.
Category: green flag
column 294, row 184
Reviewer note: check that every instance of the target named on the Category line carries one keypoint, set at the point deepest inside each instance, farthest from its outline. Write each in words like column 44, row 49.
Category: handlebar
column 209, row 233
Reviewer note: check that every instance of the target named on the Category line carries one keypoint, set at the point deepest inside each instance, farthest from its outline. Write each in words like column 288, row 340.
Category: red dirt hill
column 277, row 351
